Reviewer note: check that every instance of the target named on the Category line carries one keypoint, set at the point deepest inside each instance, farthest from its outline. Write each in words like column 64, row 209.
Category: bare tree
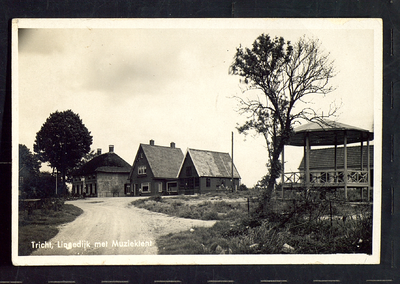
column 285, row 74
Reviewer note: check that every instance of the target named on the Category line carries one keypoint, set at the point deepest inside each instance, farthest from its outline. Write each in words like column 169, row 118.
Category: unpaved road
column 110, row 226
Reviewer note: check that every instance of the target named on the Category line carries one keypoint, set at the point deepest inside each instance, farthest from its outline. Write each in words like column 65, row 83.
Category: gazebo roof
column 325, row 132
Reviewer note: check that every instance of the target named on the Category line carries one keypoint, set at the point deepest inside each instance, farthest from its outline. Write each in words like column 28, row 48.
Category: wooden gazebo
column 329, row 133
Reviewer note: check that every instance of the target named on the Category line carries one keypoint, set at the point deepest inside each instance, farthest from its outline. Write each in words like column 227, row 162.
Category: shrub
column 176, row 203
column 156, row 198
column 210, row 215
column 243, row 187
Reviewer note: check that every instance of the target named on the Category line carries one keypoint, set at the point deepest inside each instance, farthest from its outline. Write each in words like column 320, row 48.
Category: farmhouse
column 155, row 169
column 203, row 171
column 104, row 175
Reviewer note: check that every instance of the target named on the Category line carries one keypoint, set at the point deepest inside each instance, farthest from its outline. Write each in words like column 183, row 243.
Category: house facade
column 155, row 170
column 105, row 175
column 204, row 171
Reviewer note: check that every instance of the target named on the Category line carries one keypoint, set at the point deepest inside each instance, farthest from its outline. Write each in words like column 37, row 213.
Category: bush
column 210, row 215
column 156, row 198
column 243, row 187
column 176, row 203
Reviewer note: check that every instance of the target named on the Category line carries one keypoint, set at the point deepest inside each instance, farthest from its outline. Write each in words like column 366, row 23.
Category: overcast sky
column 171, row 83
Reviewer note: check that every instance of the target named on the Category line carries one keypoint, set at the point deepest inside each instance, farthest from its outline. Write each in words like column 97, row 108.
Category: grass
column 304, row 226
column 40, row 225
column 204, row 207
column 266, row 237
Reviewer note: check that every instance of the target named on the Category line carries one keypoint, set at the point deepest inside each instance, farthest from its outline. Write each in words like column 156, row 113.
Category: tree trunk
column 274, row 172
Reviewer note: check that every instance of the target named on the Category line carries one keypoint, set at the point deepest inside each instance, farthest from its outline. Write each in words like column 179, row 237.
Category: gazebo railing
column 293, row 178
column 327, row 178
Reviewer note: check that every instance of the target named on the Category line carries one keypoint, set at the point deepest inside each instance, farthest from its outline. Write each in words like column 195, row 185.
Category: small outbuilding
column 204, row 171
column 105, row 175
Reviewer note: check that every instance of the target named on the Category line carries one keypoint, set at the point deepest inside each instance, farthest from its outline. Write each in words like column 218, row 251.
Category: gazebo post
column 362, row 163
column 283, row 171
column 369, row 172
column 336, row 173
column 307, row 160
column 362, row 157
column 345, row 163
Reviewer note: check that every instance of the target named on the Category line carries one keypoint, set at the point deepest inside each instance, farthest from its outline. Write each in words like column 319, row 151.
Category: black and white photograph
column 196, row 141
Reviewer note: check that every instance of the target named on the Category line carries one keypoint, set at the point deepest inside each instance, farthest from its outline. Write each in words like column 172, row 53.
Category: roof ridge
column 209, row 151
column 168, row 147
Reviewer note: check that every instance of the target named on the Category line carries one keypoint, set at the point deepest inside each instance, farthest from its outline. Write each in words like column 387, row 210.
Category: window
column 142, row 170
column 188, row 171
column 159, row 186
column 208, row 182
column 145, row 187
column 172, row 186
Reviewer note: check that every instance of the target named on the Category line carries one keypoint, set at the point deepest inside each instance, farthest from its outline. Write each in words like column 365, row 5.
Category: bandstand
column 340, row 176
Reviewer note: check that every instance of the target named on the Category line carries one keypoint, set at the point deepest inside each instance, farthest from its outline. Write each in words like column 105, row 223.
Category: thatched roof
column 164, row 161
column 324, row 158
column 108, row 162
column 212, row 164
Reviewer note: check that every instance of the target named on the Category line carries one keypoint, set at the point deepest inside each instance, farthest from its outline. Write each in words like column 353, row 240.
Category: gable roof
column 164, row 161
column 325, row 158
column 212, row 164
column 107, row 162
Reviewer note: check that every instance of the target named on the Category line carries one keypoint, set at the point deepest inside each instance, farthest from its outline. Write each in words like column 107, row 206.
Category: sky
column 170, row 82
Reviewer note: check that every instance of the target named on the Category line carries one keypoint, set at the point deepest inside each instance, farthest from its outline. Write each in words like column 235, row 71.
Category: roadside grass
column 40, row 225
column 305, row 226
column 248, row 236
column 202, row 207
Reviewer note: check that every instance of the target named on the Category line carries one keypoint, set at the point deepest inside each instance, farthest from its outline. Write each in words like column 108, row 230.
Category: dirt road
column 110, row 226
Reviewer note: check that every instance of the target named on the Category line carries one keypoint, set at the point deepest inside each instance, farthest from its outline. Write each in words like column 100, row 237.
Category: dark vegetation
column 38, row 221
column 316, row 222
column 63, row 141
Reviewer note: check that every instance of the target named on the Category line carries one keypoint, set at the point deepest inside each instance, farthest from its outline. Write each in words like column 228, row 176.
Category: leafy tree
column 29, row 166
column 86, row 158
column 285, row 74
column 62, row 141
column 45, row 185
column 32, row 182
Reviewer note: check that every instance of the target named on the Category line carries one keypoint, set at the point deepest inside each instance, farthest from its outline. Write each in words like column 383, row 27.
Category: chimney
column 111, row 148
column 152, row 142
column 172, row 144
column 98, row 151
